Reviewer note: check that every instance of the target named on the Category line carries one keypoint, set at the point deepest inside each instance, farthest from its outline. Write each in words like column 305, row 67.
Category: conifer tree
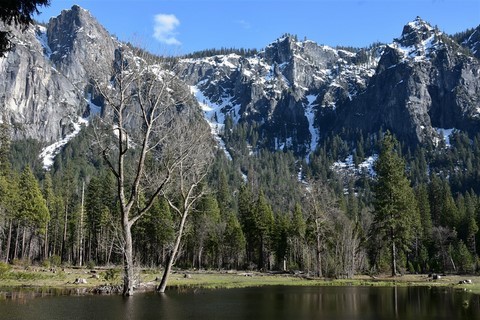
column 32, row 208
column 233, row 241
column 247, row 220
column 395, row 209
column 264, row 225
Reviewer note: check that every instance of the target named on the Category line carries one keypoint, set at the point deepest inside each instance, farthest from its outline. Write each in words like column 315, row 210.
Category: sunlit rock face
column 292, row 92
column 297, row 91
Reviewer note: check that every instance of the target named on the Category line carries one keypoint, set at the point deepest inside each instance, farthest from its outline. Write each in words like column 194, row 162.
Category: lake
column 271, row 302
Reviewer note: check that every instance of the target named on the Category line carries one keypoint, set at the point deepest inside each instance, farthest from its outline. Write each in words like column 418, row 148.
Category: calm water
column 250, row 303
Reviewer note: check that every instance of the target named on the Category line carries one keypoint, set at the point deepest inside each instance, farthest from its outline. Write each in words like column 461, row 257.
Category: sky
column 178, row 27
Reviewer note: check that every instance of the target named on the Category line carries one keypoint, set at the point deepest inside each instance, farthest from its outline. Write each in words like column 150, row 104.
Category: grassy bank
column 65, row 278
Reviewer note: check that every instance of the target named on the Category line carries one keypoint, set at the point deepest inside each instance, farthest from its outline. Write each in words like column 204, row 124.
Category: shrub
column 46, row 263
column 4, row 269
column 21, row 262
column 112, row 275
column 55, row 260
column 90, row 264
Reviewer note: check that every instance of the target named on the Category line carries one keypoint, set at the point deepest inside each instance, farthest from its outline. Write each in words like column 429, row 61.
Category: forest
column 262, row 210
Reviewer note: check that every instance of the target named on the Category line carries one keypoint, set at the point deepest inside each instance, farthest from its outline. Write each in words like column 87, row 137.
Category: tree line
column 71, row 215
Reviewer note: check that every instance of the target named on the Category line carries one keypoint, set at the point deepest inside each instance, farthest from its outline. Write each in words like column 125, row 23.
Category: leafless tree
column 143, row 102
column 335, row 238
column 193, row 149
column 322, row 207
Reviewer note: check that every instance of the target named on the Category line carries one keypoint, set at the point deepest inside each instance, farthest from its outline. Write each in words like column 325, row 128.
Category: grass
column 65, row 278
column 217, row 280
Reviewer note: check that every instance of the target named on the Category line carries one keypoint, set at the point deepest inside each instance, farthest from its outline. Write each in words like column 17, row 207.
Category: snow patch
column 215, row 117
column 42, row 37
column 94, row 109
column 445, row 133
column 347, row 166
column 48, row 153
column 310, row 115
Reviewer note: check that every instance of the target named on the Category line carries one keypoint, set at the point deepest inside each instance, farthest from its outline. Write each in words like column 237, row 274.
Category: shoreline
column 67, row 280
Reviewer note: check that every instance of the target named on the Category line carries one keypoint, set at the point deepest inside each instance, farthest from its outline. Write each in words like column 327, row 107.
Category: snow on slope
column 445, row 133
column 310, row 115
column 41, row 34
column 214, row 117
column 48, row 153
column 348, row 166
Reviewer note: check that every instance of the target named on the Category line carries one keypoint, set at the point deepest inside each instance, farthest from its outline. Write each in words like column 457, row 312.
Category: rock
column 80, row 281
column 466, row 281
column 294, row 90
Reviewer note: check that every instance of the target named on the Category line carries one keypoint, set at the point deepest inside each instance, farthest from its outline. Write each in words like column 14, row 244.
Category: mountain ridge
column 293, row 92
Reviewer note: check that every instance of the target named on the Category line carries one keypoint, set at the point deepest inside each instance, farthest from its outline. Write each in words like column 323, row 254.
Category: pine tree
column 264, row 225
column 32, row 206
column 233, row 241
column 395, row 208
column 247, row 220
column 5, row 167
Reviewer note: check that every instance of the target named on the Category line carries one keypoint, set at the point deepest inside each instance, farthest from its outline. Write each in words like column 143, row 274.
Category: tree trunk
column 30, row 249
column 9, row 240
column 15, row 252
column 163, row 284
column 64, row 240
column 319, row 256
column 45, row 249
column 128, row 277
column 24, row 235
column 80, row 249
column 394, row 253
column 200, row 253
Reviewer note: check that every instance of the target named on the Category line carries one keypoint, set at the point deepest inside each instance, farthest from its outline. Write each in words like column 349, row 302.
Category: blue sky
column 184, row 26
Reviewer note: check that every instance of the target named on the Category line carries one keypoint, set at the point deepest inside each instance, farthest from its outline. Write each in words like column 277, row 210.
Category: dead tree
column 141, row 103
column 192, row 149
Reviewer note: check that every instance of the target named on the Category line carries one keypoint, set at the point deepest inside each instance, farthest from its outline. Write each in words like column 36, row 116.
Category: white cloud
column 164, row 29
column 244, row 24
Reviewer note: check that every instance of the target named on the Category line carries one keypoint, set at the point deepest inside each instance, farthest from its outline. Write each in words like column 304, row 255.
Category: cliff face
column 298, row 91
column 424, row 80
column 45, row 86
column 294, row 91
column 288, row 89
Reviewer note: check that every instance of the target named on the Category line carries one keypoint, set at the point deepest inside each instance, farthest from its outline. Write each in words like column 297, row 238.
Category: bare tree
column 142, row 101
column 193, row 150
column 323, row 206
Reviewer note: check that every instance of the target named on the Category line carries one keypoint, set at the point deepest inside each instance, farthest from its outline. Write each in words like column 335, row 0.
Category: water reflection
column 249, row 303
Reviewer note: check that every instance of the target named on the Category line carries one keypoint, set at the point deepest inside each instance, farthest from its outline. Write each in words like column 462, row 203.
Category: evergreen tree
column 5, row 167
column 32, row 206
column 395, row 209
column 233, row 241
column 17, row 12
column 297, row 233
column 32, row 209
column 264, row 226
column 247, row 220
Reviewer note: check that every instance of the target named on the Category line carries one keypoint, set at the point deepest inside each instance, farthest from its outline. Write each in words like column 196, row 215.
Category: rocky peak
column 281, row 50
column 472, row 42
column 416, row 32
column 79, row 44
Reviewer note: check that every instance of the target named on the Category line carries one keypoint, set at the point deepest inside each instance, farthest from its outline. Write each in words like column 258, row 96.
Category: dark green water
column 249, row 303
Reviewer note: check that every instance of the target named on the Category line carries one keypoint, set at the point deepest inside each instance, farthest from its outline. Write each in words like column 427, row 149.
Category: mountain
column 299, row 91
column 423, row 81
column 292, row 93
column 470, row 39
column 45, row 78
column 288, row 89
